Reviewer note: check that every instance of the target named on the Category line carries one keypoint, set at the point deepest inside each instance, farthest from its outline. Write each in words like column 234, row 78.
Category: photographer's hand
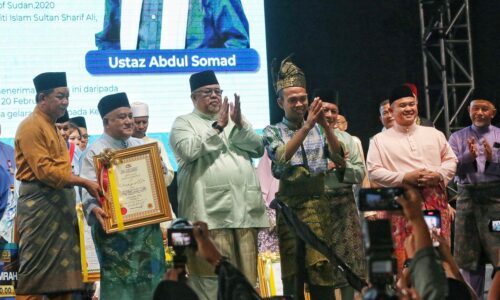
column 452, row 269
column 444, row 248
column 412, row 209
column 410, row 246
column 206, row 248
column 412, row 204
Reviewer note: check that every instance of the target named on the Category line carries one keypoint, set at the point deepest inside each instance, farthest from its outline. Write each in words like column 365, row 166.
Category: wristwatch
column 216, row 126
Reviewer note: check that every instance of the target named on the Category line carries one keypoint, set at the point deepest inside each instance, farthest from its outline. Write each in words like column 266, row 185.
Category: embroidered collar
column 405, row 129
column 291, row 125
column 206, row 116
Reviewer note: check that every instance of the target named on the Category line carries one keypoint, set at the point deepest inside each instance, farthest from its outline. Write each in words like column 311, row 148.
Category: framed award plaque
column 133, row 183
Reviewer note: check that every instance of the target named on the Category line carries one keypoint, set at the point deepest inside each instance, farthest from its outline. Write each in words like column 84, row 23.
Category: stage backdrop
column 95, row 42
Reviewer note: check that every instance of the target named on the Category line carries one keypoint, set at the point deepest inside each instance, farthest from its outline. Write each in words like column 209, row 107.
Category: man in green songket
column 132, row 261
column 299, row 150
column 214, row 146
column 345, row 223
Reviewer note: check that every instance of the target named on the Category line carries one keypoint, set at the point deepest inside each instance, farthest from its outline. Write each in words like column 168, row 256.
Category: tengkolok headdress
column 288, row 75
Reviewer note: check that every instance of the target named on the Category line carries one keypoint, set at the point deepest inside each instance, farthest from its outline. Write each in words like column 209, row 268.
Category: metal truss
column 447, row 61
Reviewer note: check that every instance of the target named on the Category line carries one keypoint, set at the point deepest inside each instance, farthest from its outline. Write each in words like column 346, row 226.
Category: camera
column 180, row 235
column 377, row 199
column 433, row 220
column 494, row 225
column 382, row 265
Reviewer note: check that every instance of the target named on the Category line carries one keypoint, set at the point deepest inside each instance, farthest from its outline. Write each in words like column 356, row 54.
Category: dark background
column 363, row 48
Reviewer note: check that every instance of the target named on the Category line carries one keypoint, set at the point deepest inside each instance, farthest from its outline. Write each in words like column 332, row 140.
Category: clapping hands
column 231, row 110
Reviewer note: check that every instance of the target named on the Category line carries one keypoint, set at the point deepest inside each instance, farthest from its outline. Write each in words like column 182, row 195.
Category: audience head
column 117, row 116
column 206, row 93
column 140, row 111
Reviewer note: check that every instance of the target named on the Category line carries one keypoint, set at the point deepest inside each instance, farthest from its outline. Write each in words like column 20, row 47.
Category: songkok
column 140, row 109
column 483, row 94
column 79, row 121
column 399, row 92
column 288, row 75
column 413, row 88
column 49, row 80
column 111, row 102
column 200, row 79
column 64, row 118
column 326, row 95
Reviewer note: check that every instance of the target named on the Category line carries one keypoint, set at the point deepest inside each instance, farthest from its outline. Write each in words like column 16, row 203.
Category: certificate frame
column 269, row 275
column 91, row 270
column 115, row 173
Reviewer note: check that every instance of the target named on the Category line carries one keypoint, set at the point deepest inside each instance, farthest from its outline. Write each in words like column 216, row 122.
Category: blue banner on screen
column 147, row 51
column 171, row 61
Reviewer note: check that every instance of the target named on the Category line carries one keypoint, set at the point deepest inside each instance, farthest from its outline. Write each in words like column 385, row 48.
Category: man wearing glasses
column 217, row 183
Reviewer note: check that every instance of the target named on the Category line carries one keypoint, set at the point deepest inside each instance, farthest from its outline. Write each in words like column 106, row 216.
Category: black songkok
column 111, row 102
column 49, row 80
column 200, row 79
column 399, row 92
column 79, row 121
column 64, row 118
column 483, row 94
column 326, row 95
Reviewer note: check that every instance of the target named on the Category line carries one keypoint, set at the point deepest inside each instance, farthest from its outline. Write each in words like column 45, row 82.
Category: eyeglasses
column 85, row 136
column 208, row 92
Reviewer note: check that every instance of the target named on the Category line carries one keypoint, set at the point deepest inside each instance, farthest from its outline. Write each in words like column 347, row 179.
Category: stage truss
column 447, row 61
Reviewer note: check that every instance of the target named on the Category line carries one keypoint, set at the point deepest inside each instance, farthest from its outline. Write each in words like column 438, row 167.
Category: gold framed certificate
column 269, row 275
column 91, row 270
column 133, row 183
